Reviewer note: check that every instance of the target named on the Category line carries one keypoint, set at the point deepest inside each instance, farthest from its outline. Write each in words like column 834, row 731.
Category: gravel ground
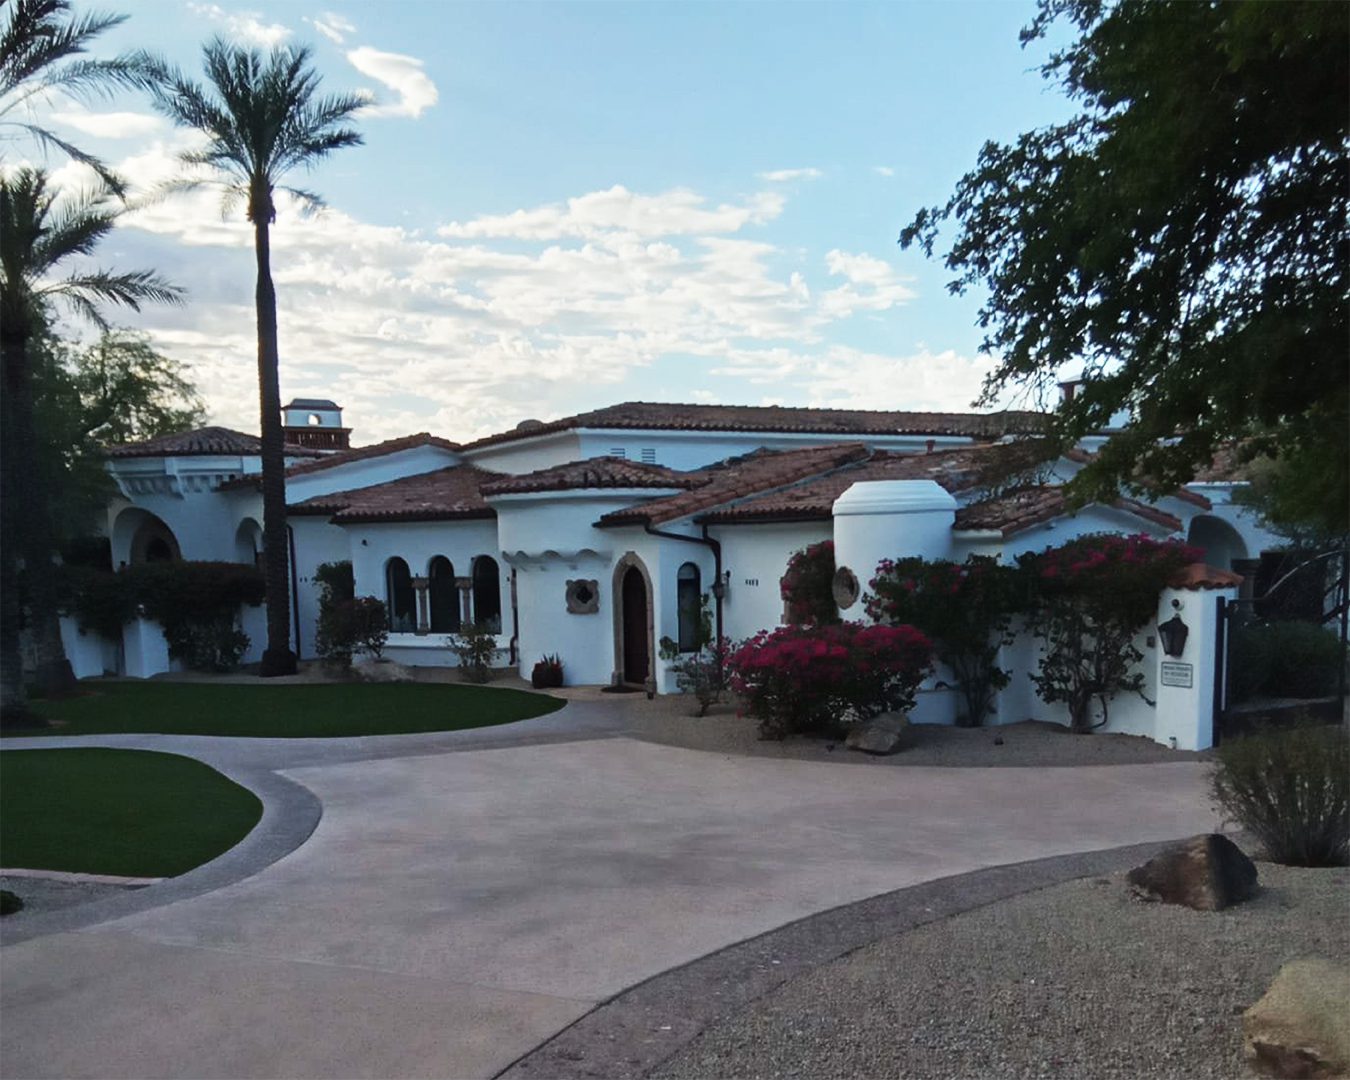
column 51, row 894
column 1079, row 980
column 667, row 720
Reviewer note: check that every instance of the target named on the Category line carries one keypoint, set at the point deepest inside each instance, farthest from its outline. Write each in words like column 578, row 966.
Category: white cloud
column 618, row 209
column 244, row 25
column 535, row 313
column 783, row 176
column 883, row 170
column 872, row 285
column 404, row 75
column 333, row 26
column 109, row 125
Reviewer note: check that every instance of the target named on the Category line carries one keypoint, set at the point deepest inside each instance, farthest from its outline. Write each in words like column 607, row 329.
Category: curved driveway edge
column 633, row 1033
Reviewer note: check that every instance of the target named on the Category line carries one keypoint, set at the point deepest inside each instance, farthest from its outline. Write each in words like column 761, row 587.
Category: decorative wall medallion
column 583, row 596
column 845, row 587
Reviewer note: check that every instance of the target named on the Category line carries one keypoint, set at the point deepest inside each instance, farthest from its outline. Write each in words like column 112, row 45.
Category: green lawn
column 326, row 710
column 129, row 812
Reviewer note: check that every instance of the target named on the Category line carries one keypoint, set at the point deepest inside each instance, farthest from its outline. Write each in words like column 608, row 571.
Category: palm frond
column 130, row 289
column 45, row 137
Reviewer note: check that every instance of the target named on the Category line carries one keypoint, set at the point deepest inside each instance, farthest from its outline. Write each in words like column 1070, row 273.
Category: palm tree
column 40, row 235
column 42, row 52
column 262, row 117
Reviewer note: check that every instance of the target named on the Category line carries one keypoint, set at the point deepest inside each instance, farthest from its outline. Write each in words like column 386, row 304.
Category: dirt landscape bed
column 1077, row 980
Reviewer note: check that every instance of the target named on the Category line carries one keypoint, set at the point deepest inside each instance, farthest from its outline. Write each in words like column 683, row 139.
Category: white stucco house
column 592, row 536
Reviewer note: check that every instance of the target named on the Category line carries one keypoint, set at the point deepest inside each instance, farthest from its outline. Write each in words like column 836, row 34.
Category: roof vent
column 529, row 425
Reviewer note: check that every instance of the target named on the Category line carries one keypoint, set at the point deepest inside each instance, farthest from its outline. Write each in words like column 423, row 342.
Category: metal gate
column 1290, row 601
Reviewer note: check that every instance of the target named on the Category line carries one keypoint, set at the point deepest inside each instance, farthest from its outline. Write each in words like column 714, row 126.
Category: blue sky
column 562, row 205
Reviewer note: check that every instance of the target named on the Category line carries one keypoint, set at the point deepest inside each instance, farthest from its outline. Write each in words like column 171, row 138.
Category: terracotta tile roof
column 845, row 423
column 442, row 495
column 344, row 457
column 1202, row 576
column 737, row 478
column 1083, row 457
column 1228, row 467
column 200, row 442
column 1018, row 510
column 811, row 499
column 593, row 473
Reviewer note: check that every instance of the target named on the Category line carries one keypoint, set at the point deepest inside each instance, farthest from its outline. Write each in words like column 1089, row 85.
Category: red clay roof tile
column 201, row 442
column 442, row 495
column 845, row 423
column 593, row 473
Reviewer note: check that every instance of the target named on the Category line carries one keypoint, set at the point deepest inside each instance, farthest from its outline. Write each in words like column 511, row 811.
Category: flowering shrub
column 966, row 608
column 1093, row 596
column 808, row 586
column 704, row 673
column 799, row 679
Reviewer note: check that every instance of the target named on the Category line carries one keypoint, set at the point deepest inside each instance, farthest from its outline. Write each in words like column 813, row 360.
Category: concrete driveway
column 453, row 910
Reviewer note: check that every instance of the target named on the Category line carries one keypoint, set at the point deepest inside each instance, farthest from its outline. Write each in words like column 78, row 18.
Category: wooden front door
column 636, row 647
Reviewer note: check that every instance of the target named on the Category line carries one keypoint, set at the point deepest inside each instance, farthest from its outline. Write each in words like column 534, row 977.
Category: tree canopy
column 1182, row 238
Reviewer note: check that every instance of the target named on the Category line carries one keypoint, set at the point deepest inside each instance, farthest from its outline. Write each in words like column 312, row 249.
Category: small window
column 399, row 597
column 648, row 456
column 689, row 601
column 315, row 420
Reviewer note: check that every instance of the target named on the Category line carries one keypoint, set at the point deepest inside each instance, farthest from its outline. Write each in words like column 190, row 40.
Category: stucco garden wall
column 757, row 556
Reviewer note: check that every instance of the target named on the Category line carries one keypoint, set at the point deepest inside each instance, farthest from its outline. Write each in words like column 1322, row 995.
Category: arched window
column 487, row 594
column 689, row 602
column 399, row 597
column 444, row 596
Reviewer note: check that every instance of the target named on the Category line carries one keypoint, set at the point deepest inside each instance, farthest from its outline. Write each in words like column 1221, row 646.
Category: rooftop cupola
column 316, row 424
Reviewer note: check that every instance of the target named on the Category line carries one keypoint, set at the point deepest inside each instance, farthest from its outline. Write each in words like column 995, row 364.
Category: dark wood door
column 636, row 665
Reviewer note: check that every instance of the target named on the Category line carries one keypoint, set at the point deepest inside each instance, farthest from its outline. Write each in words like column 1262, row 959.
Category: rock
column 880, row 735
column 1208, row 873
column 1299, row 1028
column 382, row 671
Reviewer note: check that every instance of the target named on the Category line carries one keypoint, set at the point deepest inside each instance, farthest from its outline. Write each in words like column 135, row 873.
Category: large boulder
column 1208, row 873
column 1301, row 1027
column 882, row 734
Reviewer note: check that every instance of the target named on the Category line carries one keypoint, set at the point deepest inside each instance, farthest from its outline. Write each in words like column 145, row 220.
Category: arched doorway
column 1221, row 543
column 248, row 542
column 138, row 536
column 634, row 660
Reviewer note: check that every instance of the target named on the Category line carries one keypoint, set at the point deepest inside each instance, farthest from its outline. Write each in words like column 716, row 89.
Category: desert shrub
column 808, row 586
column 965, row 608
column 476, row 647
column 816, row 679
column 1090, row 597
column 1290, row 789
column 547, row 673
column 1285, row 660
column 336, row 580
column 705, row 674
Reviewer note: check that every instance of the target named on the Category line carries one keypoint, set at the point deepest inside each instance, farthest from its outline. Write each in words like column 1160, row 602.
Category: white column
column 1185, row 683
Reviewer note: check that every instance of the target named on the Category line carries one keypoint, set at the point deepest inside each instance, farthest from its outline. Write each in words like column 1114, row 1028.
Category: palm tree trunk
column 278, row 659
column 27, row 535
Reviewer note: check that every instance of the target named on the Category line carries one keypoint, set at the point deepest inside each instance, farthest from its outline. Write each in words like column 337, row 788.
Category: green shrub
column 476, row 647
column 1285, row 660
column 196, row 604
column 348, row 625
column 1290, row 789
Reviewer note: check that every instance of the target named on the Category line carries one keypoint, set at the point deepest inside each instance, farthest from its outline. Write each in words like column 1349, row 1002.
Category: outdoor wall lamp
column 1173, row 634
column 719, row 585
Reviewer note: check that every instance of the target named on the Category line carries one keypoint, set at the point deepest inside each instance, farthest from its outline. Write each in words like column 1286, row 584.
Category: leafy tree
column 117, row 389
column 1183, row 238
column 263, row 118
column 39, row 237
column 43, row 53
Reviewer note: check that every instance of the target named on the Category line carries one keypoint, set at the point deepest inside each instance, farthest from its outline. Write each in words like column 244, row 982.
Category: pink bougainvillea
column 808, row 586
column 817, row 678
